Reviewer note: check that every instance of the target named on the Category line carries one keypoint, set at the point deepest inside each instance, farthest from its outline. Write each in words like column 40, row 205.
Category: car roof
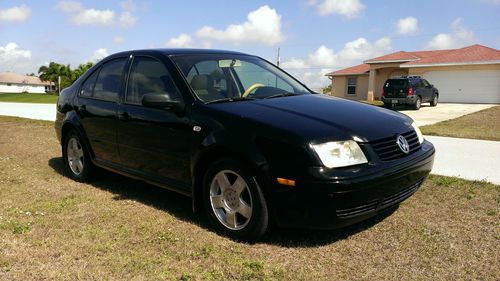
column 181, row 51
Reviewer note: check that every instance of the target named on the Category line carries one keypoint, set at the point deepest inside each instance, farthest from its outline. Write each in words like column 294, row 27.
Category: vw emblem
column 403, row 144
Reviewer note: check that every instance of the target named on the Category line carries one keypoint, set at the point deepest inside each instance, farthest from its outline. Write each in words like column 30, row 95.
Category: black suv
column 409, row 90
column 245, row 140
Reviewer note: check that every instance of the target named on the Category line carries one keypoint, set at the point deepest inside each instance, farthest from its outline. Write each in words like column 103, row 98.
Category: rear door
column 396, row 88
column 154, row 142
column 97, row 107
column 428, row 90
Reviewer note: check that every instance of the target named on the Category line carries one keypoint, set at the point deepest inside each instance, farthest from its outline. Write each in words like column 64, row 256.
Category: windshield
column 224, row 77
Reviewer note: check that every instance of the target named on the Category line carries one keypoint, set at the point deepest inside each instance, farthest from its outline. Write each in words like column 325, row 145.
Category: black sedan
column 246, row 141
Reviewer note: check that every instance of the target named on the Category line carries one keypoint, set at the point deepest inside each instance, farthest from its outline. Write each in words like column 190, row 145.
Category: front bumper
column 342, row 201
column 406, row 100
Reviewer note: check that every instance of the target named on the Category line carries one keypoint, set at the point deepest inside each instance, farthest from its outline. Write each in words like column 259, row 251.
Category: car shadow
column 180, row 206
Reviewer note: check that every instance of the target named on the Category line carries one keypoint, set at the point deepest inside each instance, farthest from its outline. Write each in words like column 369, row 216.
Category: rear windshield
column 396, row 83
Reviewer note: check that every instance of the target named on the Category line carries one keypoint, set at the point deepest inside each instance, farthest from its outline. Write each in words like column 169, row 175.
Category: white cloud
column 311, row 70
column 128, row 5
column 181, row 41
column 99, row 54
column 15, row 14
column 70, row 6
column 459, row 36
column 119, row 39
column 407, row 26
column 262, row 26
column 107, row 17
column 95, row 17
column 13, row 58
column 127, row 19
column 346, row 8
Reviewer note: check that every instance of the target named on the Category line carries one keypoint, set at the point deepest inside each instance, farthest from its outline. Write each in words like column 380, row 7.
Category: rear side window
column 88, row 85
column 109, row 80
column 396, row 83
column 149, row 76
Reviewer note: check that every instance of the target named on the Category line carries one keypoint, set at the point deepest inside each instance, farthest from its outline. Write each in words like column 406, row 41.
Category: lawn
column 484, row 124
column 118, row 229
column 33, row 98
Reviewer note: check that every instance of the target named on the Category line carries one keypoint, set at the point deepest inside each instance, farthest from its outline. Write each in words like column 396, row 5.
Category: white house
column 16, row 83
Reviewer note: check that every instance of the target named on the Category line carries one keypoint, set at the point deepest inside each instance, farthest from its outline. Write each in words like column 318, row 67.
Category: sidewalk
column 38, row 111
column 467, row 158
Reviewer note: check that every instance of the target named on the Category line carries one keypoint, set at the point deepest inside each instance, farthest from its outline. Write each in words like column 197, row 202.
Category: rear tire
column 417, row 104
column 434, row 100
column 76, row 158
column 234, row 201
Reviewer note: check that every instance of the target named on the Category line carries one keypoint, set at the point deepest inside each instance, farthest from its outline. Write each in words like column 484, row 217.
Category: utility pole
column 278, row 57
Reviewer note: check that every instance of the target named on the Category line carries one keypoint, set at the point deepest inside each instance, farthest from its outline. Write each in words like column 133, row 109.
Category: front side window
column 351, row 86
column 149, row 76
column 226, row 77
column 109, row 80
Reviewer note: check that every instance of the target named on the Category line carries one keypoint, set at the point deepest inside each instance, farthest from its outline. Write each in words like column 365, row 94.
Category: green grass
column 484, row 124
column 30, row 98
column 115, row 228
column 374, row 102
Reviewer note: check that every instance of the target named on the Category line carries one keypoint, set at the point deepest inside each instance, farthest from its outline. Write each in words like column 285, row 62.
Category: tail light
column 410, row 91
column 382, row 92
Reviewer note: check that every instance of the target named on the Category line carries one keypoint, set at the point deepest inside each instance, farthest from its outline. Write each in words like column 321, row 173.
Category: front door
column 154, row 142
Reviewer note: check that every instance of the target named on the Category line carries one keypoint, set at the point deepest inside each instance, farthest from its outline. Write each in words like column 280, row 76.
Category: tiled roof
column 358, row 69
column 470, row 54
column 14, row 78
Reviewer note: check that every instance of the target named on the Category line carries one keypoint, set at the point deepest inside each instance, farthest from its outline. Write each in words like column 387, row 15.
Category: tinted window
column 149, row 76
column 108, row 82
column 88, row 85
column 425, row 83
column 396, row 83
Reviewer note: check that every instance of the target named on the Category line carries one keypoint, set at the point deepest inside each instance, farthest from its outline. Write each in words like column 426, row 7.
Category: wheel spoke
column 79, row 165
column 239, row 185
column 231, row 219
column 222, row 181
column 79, row 153
column 244, row 209
column 217, row 201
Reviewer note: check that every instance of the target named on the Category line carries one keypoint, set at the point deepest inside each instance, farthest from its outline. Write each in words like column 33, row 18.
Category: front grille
column 358, row 210
column 400, row 196
column 387, row 149
column 379, row 204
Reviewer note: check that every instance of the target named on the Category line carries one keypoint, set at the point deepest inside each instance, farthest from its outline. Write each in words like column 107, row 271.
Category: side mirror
column 162, row 100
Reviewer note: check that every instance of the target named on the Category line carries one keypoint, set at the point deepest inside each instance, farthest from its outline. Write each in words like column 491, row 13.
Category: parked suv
column 245, row 140
column 409, row 90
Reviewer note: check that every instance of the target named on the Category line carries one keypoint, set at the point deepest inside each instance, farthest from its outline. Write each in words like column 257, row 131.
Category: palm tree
column 53, row 71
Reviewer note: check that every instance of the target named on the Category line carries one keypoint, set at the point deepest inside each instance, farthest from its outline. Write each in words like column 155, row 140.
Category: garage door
column 467, row 86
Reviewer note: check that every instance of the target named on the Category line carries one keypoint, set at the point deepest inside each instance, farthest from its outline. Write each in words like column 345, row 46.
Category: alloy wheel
column 231, row 200
column 75, row 156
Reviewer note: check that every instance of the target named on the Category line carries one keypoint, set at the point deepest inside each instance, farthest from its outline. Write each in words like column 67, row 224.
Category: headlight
column 339, row 154
column 419, row 133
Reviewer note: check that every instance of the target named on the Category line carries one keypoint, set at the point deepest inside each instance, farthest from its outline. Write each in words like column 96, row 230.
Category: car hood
column 320, row 117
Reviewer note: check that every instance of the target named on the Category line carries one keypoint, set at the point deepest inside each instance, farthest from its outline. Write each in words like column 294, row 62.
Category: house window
column 351, row 86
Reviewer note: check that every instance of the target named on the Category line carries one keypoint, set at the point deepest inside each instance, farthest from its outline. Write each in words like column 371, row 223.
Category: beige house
column 11, row 82
column 470, row 74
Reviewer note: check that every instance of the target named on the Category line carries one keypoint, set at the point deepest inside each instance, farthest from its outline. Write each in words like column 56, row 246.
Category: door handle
column 123, row 116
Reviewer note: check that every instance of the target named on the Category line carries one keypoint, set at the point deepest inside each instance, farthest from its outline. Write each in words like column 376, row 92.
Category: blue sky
column 315, row 36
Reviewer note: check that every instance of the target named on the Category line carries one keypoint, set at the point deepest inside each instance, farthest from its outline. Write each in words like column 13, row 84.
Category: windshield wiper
column 284, row 94
column 229, row 100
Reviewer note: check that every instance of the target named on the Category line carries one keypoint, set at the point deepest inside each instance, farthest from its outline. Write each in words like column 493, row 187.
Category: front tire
column 234, row 201
column 76, row 158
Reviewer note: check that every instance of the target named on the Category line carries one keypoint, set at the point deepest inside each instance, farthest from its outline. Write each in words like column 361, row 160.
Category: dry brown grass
column 484, row 124
column 116, row 229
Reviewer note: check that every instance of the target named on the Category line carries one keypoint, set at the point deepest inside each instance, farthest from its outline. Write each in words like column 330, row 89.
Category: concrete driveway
column 428, row 115
column 37, row 111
